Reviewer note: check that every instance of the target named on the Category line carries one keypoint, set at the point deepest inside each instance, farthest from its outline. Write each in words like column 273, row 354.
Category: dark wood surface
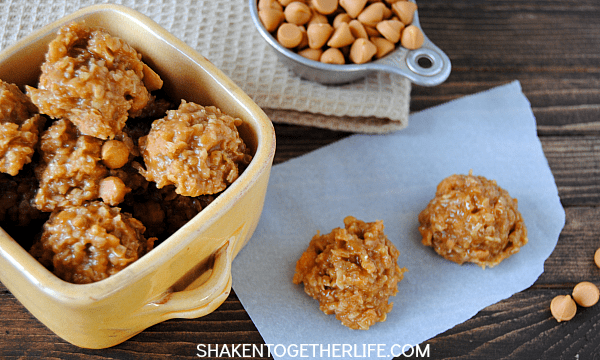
column 553, row 48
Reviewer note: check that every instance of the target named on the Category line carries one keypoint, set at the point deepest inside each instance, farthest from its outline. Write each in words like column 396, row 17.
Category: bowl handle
column 197, row 301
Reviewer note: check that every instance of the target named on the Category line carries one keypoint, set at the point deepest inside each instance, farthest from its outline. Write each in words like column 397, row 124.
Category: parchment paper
column 392, row 178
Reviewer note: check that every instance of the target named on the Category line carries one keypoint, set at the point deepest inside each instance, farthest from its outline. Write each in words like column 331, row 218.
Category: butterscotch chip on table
column 586, row 294
column 195, row 148
column 93, row 79
column 352, row 272
column 88, row 243
column 20, row 125
column 563, row 308
column 472, row 219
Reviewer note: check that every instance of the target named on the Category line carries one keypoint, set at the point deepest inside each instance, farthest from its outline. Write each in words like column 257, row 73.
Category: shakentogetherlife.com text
column 310, row 351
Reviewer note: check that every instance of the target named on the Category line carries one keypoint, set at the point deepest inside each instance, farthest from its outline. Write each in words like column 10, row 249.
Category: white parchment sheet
column 392, row 178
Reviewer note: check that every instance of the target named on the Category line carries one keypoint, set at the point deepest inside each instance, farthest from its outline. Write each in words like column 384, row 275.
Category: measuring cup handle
column 436, row 68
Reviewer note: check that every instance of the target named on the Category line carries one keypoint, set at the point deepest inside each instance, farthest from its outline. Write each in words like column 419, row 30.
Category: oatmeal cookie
column 70, row 167
column 352, row 272
column 88, row 243
column 20, row 125
column 472, row 219
column 198, row 149
column 94, row 80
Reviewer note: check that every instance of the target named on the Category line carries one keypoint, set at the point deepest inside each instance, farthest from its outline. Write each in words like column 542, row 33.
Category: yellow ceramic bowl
column 189, row 274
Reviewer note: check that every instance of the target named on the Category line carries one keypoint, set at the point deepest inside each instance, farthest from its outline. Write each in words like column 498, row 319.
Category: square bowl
column 188, row 275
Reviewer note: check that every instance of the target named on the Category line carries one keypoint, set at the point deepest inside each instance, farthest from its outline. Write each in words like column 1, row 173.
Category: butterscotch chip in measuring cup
column 297, row 13
column 289, row 35
column 390, row 29
column 304, row 42
column 341, row 18
column 341, row 37
column 563, row 308
column 357, row 29
column 412, row 37
column 272, row 4
column 384, row 46
column 271, row 18
column 312, row 54
column 353, row 7
column 317, row 18
column 586, row 294
column 362, row 50
column 318, row 34
column 372, row 14
column 325, row 7
column 405, row 10
column 333, row 56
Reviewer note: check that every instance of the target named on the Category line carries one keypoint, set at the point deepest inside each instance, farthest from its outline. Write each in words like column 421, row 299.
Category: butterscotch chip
column 362, row 50
column 318, row 35
column 115, row 154
column 405, row 10
column 270, row 4
column 357, row 29
column 333, row 56
column 353, row 7
column 341, row 37
column 412, row 37
column 372, row 14
column 271, row 18
column 390, row 29
column 371, row 30
column 384, row 46
column 312, row 54
column 152, row 80
column 597, row 257
column 563, row 308
column 318, row 19
column 325, row 7
column 289, row 35
column 472, row 219
column 341, row 18
column 586, row 294
column 297, row 13
column 352, row 272
column 113, row 190
column 304, row 42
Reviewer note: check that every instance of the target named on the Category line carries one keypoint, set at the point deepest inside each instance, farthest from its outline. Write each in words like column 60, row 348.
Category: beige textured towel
column 222, row 31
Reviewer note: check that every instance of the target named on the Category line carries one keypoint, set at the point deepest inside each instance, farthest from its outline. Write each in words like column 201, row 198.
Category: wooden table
column 553, row 49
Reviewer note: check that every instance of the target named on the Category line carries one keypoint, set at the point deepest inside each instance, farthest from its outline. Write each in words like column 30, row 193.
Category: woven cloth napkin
column 391, row 178
column 223, row 32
